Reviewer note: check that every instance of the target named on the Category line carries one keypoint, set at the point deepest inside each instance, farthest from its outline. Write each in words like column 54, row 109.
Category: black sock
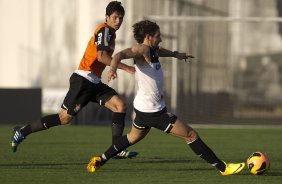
column 202, row 150
column 41, row 124
column 114, row 149
column 50, row 121
column 26, row 130
column 117, row 126
column 117, row 131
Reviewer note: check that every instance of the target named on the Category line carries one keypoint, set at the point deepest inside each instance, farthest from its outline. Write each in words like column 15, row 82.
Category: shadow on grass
column 40, row 164
column 148, row 161
column 271, row 174
column 162, row 160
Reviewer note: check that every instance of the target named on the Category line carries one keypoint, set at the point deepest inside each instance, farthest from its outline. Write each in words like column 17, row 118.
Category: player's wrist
column 113, row 69
column 175, row 53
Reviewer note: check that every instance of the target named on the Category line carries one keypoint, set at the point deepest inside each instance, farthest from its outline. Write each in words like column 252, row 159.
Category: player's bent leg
column 117, row 131
column 44, row 123
column 97, row 161
column 65, row 117
column 192, row 138
column 118, row 107
column 115, row 104
column 134, row 136
column 124, row 142
column 183, row 131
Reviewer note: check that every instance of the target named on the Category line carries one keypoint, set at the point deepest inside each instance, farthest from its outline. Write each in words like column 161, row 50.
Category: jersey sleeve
column 102, row 39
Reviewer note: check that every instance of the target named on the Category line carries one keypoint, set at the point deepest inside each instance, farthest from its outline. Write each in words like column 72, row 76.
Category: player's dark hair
column 142, row 28
column 114, row 6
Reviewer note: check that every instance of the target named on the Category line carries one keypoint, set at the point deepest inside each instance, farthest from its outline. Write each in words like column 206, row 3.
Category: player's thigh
column 136, row 135
column 115, row 104
column 183, row 130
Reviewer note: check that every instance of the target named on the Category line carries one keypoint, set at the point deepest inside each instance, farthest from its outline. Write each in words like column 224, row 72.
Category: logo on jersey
column 99, row 39
column 158, row 66
column 77, row 108
column 109, row 38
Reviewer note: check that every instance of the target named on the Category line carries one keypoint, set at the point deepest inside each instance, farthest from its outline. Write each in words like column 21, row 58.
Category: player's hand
column 112, row 74
column 184, row 56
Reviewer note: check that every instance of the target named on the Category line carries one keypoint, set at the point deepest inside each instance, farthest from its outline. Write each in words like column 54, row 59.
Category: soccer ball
column 258, row 163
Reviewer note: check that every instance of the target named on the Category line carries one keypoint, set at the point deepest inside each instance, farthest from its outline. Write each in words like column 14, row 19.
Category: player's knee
column 120, row 107
column 65, row 118
column 192, row 135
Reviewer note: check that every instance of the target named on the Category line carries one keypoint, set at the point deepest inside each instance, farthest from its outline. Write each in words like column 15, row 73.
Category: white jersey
column 149, row 97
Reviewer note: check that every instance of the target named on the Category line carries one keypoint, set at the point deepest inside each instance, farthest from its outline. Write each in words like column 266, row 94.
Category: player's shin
column 117, row 126
column 202, row 150
column 120, row 144
column 45, row 122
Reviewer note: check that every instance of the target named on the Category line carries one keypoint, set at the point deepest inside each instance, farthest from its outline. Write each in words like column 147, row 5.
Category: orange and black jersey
column 102, row 40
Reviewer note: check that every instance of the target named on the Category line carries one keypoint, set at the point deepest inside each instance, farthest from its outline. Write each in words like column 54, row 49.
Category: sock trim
column 192, row 141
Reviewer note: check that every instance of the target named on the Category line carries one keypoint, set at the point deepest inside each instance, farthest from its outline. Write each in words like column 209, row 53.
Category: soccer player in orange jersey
column 86, row 85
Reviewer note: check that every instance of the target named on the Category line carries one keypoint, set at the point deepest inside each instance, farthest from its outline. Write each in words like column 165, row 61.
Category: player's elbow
column 118, row 56
column 104, row 57
column 100, row 56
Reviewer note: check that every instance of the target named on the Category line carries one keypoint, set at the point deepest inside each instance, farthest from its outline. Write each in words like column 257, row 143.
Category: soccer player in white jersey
column 149, row 104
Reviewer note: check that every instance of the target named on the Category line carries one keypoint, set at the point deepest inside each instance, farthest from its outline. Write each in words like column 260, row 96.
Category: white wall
column 19, row 35
column 42, row 42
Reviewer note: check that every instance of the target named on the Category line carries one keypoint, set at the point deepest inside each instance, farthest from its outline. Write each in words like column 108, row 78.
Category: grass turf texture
column 60, row 155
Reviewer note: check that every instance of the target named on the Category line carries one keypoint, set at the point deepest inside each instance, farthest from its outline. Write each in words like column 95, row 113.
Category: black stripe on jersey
column 102, row 39
column 154, row 56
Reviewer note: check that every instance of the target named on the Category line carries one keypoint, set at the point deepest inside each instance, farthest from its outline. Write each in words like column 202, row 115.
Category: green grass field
column 60, row 155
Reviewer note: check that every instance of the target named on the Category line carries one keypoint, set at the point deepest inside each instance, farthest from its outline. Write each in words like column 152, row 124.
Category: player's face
column 156, row 40
column 114, row 20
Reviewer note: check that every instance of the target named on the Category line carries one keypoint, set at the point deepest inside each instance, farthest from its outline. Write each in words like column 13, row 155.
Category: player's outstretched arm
column 179, row 55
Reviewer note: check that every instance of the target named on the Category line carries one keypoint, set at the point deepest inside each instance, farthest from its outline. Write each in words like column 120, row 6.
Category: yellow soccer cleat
column 94, row 164
column 233, row 168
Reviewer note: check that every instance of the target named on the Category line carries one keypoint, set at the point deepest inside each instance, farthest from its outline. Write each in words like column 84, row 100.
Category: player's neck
column 111, row 28
column 148, row 44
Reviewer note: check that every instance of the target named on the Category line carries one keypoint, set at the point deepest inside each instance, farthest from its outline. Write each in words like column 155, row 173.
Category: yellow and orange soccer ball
column 258, row 163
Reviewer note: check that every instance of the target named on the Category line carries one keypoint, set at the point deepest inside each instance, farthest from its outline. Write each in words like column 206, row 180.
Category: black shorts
column 161, row 120
column 82, row 91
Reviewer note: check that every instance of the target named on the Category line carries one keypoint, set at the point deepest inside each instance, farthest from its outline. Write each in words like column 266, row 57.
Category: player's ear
column 107, row 18
column 147, row 37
